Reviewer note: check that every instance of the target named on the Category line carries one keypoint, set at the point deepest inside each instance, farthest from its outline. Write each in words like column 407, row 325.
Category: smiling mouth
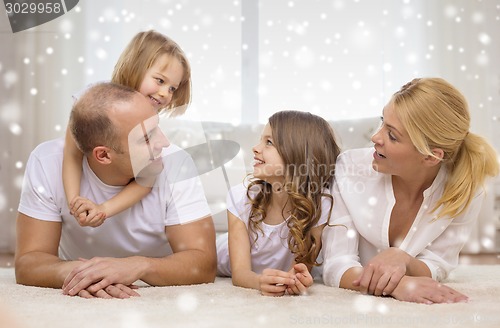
column 154, row 158
column 257, row 161
column 155, row 101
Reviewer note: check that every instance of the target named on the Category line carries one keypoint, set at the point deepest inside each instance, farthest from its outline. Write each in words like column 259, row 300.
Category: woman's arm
column 433, row 253
column 442, row 253
column 382, row 273
column 340, row 241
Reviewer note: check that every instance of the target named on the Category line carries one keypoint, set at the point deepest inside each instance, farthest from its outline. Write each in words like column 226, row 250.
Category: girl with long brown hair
column 276, row 217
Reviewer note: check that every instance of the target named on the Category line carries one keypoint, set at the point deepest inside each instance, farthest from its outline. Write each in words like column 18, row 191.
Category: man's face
column 141, row 138
column 146, row 142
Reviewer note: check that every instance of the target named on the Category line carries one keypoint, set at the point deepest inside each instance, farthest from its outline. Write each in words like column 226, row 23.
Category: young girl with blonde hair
column 404, row 209
column 276, row 218
column 157, row 67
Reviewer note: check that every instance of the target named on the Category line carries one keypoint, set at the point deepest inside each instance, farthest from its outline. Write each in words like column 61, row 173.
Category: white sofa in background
column 350, row 134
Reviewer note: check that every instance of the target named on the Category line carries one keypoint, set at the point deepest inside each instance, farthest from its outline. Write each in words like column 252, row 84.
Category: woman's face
column 394, row 153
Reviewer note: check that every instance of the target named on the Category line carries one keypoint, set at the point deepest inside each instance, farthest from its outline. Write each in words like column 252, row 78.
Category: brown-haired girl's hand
column 86, row 212
column 274, row 282
column 303, row 280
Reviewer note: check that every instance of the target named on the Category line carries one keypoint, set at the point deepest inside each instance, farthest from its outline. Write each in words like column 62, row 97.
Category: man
column 167, row 238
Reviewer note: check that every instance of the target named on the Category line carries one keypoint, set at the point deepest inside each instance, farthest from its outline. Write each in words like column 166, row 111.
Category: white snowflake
column 187, row 302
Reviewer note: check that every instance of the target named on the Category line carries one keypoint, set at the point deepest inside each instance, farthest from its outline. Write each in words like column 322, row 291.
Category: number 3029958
column 32, row 8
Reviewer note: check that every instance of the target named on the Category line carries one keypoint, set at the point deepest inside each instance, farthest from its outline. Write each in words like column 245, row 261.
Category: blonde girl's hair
column 141, row 54
column 436, row 115
column 307, row 145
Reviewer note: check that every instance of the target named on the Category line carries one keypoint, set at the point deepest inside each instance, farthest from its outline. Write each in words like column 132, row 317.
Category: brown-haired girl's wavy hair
column 436, row 115
column 140, row 55
column 307, row 145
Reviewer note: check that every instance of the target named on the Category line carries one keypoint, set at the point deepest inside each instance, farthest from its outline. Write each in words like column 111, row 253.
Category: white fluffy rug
column 222, row 305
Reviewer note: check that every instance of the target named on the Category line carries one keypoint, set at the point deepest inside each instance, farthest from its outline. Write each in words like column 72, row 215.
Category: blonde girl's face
column 394, row 153
column 268, row 164
column 161, row 81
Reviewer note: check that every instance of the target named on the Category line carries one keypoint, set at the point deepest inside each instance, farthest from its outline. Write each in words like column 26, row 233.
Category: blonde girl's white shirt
column 359, row 226
column 139, row 230
column 271, row 248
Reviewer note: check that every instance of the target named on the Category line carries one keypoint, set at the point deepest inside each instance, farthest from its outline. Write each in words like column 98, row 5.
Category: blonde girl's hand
column 93, row 219
column 86, row 212
column 274, row 282
column 383, row 273
column 303, row 280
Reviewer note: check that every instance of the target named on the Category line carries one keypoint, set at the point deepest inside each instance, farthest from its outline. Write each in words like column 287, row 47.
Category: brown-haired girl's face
column 161, row 81
column 268, row 164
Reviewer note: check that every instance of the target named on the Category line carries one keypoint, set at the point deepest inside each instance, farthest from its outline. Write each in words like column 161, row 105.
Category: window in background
column 208, row 31
column 343, row 59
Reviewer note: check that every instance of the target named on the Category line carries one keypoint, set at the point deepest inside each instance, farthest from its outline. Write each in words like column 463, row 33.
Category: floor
column 7, row 260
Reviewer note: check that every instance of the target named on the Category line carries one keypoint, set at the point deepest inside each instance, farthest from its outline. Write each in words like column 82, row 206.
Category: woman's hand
column 427, row 291
column 384, row 272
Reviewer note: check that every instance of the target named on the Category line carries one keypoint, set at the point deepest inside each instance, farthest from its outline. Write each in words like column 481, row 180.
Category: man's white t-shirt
column 139, row 230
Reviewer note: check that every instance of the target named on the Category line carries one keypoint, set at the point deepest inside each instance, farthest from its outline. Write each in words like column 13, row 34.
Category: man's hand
column 426, row 290
column 112, row 291
column 303, row 280
column 98, row 273
column 382, row 274
column 275, row 282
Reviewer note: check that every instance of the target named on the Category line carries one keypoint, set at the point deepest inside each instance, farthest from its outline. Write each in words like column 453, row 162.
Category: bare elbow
column 21, row 271
column 211, row 272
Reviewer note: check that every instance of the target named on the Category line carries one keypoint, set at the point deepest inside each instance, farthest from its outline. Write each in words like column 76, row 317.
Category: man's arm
column 194, row 261
column 37, row 262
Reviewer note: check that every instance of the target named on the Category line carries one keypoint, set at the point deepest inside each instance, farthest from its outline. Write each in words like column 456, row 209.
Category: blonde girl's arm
column 72, row 174
column 129, row 196
column 85, row 211
column 271, row 282
column 302, row 273
column 72, row 168
column 90, row 214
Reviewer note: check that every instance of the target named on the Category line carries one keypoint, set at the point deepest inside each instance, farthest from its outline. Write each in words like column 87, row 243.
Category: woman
column 409, row 204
